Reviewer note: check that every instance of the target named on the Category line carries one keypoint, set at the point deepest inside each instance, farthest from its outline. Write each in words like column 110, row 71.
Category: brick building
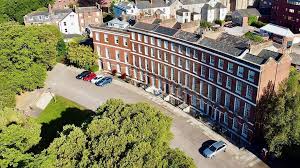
column 89, row 15
column 218, row 78
column 286, row 13
column 63, row 4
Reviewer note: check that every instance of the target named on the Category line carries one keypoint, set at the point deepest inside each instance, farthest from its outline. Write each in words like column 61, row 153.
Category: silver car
column 215, row 148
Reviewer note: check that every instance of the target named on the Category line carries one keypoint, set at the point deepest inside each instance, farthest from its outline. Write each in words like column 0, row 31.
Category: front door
column 167, row 88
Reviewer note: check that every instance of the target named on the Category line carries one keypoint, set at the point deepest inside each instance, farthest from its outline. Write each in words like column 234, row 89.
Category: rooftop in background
column 143, row 4
column 181, row 11
column 295, row 58
column 278, row 30
column 86, row 9
column 248, row 12
column 188, row 2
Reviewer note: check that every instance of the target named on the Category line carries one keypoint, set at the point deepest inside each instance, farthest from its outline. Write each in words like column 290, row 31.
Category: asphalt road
column 188, row 136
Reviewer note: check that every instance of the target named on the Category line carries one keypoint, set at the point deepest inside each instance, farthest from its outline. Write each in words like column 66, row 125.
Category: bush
column 252, row 19
column 113, row 72
column 254, row 37
column 94, row 68
column 220, row 22
column 123, row 76
column 204, row 24
column 258, row 24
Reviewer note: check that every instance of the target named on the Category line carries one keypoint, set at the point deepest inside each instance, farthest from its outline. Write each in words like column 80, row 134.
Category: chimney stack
column 50, row 9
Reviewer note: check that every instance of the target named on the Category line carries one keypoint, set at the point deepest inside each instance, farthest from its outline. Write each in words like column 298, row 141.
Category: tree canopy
column 15, row 10
column 119, row 135
column 26, row 52
column 281, row 120
column 18, row 134
column 81, row 56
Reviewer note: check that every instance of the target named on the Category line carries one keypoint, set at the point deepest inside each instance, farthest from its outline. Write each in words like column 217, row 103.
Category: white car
column 215, row 148
column 97, row 78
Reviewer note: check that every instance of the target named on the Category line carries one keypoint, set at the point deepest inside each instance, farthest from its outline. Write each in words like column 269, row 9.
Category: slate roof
column 254, row 59
column 189, row 2
column 227, row 43
column 266, row 54
column 165, row 30
column 181, row 11
column 145, row 26
column 144, row 4
column 262, row 57
column 86, row 9
column 57, row 15
column 248, row 12
column 187, row 36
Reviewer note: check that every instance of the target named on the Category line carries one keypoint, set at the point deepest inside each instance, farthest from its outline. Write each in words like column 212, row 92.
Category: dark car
column 83, row 74
column 104, row 81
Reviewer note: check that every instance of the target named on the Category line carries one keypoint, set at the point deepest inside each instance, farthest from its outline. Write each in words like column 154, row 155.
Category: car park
column 90, row 77
column 83, row 74
column 97, row 78
column 104, row 81
column 215, row 148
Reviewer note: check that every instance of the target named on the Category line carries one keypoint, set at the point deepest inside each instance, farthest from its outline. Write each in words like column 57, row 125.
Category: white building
column 69, row 24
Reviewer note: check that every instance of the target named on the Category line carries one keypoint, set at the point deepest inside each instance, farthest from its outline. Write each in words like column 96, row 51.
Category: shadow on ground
column 51, row 130
column 205, row 145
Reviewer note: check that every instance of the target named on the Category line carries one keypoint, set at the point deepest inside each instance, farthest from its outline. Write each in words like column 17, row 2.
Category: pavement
column 189, row 133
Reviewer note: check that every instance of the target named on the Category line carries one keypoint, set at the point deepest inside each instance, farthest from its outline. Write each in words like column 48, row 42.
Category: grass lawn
column 56, row 115
column 54, row 109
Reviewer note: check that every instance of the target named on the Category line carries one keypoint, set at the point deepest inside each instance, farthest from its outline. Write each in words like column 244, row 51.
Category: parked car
column 104, row 81
column 90, row 77
column 215, row 148
column 83, row 74
column 97, row 78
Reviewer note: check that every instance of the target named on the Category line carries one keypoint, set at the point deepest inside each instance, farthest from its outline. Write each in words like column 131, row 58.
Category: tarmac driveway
column 189, row 134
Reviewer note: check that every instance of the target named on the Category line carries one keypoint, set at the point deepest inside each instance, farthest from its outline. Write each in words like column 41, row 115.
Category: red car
column 90, row 77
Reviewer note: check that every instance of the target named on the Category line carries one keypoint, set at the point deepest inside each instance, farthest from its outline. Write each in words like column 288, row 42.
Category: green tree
column 18, row 134
column 26, row 53
column 282, row 117
column 119, row 135
column 15, row 10
column 81, row 56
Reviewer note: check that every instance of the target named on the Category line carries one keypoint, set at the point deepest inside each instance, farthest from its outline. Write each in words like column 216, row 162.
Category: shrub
column 123, row 76
column 204, row 24
column 254, row 37
column 220, row 22
column 252, row 19
column 94, row 68
column 258, row 24
column 113, row 72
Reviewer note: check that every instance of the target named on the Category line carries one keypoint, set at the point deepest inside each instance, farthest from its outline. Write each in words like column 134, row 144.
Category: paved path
column 189, row 134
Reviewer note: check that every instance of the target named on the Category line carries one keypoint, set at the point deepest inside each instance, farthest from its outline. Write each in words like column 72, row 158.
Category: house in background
column 182, row 10
column 240, row 17
column 279, row 34
column 69, row 21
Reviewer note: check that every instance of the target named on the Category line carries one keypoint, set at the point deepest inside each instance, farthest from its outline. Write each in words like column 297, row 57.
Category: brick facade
column 225, row 90
column 62, row 4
